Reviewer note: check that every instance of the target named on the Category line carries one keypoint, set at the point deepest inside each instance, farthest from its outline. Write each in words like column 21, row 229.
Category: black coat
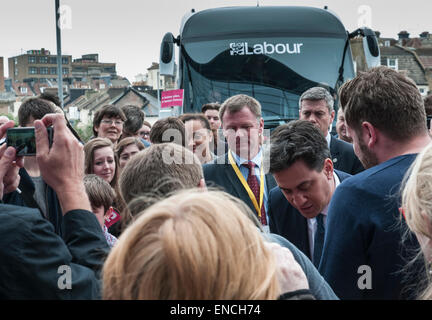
column 55, row 215
column 32, row 253
column 343, row 157
column 219, row 173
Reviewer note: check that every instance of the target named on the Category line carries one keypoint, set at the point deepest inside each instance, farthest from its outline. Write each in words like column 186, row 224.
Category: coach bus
column 271, row 53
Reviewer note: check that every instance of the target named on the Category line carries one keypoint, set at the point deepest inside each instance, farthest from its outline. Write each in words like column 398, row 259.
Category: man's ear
column 328, row 168
column 202, row 185
column 369, row 134
column 332, row 115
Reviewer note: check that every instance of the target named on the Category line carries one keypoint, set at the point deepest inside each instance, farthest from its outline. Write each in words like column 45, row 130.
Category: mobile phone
column 24, row 140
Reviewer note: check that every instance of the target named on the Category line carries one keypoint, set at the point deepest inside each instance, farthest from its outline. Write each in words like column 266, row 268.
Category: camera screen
column 23, row 140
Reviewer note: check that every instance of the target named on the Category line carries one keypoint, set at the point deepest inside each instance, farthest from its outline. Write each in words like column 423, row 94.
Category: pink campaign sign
column 172, row 98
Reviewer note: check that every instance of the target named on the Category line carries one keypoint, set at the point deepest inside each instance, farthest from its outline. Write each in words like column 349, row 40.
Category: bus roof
column 293, row 21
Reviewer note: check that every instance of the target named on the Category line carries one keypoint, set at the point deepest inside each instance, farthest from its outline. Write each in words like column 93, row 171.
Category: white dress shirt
column 328, row 138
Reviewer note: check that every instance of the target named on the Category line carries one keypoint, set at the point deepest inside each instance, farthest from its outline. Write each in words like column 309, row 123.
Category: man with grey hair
column 316, row 106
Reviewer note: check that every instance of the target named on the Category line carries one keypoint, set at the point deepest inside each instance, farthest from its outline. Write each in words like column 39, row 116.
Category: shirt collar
column 328, row 138
column 337, row 182
column 239, row 161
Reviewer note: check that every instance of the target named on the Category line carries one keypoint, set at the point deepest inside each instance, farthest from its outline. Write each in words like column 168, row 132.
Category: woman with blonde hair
column 417, row 209
column 195, row 245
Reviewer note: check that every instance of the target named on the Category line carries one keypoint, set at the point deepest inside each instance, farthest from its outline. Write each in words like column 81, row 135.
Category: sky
column 129, row 32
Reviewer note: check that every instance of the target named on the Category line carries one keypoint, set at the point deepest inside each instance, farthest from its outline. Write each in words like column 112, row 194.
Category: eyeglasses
column 110, row 122
column 144, row 134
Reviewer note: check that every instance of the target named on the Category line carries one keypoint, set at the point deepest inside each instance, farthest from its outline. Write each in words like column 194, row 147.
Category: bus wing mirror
column 370, row 46
column 167, row 59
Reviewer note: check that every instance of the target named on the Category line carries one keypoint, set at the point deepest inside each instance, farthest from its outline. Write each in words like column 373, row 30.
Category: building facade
column 89, row 67
column 158, row 82
column 38, row 66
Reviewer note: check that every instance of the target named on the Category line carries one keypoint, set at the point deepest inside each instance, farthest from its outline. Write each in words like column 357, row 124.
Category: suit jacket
column 287, row 221
column 219, row 173
column 343, row 156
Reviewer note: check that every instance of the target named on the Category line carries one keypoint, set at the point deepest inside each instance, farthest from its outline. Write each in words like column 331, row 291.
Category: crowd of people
column 196, row 207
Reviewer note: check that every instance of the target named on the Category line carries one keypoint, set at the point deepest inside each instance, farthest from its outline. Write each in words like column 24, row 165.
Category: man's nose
column 299, row 200
column 241, row 133
column 312, row 119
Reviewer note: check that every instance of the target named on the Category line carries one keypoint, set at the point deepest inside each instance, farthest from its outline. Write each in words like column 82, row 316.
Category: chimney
column 424, row 35
column 403, row 35
column 2, row 86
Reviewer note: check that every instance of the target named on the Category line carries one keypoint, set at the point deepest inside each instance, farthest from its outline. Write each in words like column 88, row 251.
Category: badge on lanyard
column 246, row 186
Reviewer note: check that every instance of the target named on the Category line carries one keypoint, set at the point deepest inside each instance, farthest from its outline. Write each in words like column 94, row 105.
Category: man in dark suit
column 301, row 164
column 316, row 106
column 240, row 172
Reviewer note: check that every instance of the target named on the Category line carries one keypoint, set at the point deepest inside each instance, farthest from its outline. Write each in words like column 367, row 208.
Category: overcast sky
column 129, row 32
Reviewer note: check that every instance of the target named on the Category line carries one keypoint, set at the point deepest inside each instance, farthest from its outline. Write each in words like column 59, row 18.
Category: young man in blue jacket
column 365, row 253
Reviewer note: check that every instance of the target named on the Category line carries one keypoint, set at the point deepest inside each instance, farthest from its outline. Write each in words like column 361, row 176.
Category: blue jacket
column 364, row 254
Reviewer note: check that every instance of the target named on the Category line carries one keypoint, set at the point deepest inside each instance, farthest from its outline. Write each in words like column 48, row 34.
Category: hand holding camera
column 62, row 165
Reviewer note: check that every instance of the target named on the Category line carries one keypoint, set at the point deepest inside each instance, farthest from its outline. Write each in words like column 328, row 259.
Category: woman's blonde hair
column 417, row 203
column 192, row 245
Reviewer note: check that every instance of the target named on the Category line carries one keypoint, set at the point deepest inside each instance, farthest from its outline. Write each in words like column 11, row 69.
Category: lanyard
column 246, row 186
